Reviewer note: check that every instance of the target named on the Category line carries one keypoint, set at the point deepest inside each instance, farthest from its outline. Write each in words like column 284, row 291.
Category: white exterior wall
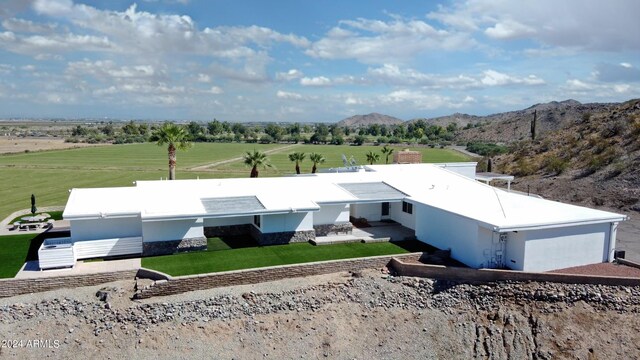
column 228, row 221
column 286, row 222
column 467, row 169
column 172, row 230
column 559, row 248
column 371, row 212
column 96, row 229
column 331, row 214
column 396, row 214
column 446, row 230
column 515, row 248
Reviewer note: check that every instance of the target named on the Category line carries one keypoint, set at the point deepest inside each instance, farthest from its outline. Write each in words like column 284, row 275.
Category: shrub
column 486, row 149
column 554, row 164
column 524, row 167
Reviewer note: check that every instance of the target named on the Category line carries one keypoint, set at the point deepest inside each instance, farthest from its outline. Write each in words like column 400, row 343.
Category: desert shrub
column 524, row 167
column 554, row 164
column 486, row 149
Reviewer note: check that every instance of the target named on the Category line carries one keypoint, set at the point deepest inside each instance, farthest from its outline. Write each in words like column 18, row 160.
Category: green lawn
column 225, row 256
column 15, row 251
column 50, row 174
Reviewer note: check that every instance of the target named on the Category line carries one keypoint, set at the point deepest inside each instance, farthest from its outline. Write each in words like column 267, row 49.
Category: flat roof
column 429, row 184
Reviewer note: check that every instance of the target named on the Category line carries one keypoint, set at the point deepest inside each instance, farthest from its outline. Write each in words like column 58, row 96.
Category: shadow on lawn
column 231, row 242
column 37, row 240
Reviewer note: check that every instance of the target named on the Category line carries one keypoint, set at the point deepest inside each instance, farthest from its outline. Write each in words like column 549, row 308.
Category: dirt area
column 367, row 315
column 21, row 144
column 603, row 269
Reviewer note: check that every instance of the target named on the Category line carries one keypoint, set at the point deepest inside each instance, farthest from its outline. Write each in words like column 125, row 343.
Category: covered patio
column 378, row 231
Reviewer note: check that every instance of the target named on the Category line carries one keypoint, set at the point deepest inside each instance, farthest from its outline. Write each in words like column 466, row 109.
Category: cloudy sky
column 294, row 60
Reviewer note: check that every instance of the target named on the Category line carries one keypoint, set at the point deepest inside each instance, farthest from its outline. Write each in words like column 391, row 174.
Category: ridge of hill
column 593, row 159
column 369, row 119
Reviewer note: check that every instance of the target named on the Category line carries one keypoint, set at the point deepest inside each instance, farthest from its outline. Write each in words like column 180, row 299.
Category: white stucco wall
column 286, row 222
column 450, row 231
column 396, row 214
column 515, row 247
column 467, row 169
column 565, row 247
column 172, row 230
column 228, row 221
column 371, row 212
column 331, row 214
column 105, row 228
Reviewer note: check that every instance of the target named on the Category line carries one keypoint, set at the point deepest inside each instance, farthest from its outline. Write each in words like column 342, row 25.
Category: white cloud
column 494, row 78
column 292, row 74
column 204, row 78
column 315, row 81
column 375, row 41
column 509, row 29
column 21, row 25
column 216, row 90
column 591, row 25
column 288, row 95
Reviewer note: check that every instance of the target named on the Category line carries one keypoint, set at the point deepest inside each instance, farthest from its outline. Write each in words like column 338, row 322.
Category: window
column 385, row 209
column 407, row 207
column 256, row 220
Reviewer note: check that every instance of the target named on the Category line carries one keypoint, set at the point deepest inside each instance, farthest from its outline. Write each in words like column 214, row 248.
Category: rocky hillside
column 365, row 315
column 593, row 158
column 515, row 125
column 357, row 121
column 459, row 119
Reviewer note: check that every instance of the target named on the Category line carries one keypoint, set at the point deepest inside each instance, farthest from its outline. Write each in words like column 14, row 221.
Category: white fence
column 62, row 252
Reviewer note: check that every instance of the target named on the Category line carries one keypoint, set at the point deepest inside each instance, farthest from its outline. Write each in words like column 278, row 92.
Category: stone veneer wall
column 407, row 157
column 227, row 230
column 177, row 285
column 153, row 248
column 13, row 287
column 332, row 229
column 286, row 237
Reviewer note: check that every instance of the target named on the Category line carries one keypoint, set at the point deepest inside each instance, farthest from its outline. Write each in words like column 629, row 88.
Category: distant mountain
column 459, row 119
column 369, row 119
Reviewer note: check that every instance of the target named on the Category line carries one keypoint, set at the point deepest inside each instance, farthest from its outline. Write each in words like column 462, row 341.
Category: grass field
column 221, row 257
column 15, row 250
column 50, row 174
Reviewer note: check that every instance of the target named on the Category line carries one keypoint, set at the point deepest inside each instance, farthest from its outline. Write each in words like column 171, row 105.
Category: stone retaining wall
column 154, row 248
column 227, row 230
column 13, row 287
column 177, row 285
column 491, row 275
column 331, row 229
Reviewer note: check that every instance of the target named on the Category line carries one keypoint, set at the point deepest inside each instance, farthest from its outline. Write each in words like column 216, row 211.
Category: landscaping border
column 13, row 287
column 492, row 275
column 181, row 284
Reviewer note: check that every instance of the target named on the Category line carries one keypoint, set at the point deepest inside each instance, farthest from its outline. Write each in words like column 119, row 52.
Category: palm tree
column 297, row 157
column 372, row 157
column 177, row 138
column 386, row 151
column 316, row 159
column 255, row 159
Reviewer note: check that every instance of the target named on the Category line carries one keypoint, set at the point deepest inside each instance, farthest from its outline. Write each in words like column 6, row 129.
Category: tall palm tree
column 386, row 151
column 316, row 159
column 176, row 137
column 297, row 157
column 372, row 157
column 256, row 159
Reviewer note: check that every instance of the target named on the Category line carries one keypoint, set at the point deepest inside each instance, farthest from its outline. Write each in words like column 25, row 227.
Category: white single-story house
column 483, row 226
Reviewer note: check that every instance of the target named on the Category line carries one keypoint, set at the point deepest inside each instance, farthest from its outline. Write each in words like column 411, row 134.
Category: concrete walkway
column 31, row 269
column 378, row 231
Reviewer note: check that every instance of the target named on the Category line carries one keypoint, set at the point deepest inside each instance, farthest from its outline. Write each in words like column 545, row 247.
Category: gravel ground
column 603, row 269
column 367, row 314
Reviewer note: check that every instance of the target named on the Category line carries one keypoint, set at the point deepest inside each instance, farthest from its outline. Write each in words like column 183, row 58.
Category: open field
column 50, row 174
column 20, row 145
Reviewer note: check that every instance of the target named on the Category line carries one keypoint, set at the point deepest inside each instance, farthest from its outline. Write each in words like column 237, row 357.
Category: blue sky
column 311, row 61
